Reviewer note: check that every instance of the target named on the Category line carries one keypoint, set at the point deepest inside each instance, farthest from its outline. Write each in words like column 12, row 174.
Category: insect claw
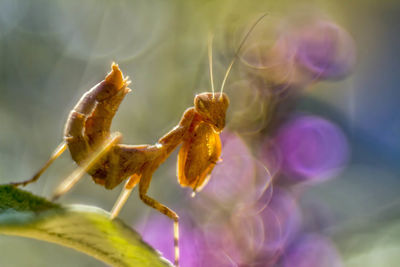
column 127, row 82
column 193, row 194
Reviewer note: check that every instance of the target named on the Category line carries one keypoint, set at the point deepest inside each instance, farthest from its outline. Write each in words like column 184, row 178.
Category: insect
column 100, row 153
column 88, row 129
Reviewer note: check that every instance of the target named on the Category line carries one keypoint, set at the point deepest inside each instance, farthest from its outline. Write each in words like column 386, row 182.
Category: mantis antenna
column 210, row 39
column 238, row 50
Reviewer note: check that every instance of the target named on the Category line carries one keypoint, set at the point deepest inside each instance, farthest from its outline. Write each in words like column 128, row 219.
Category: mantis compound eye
column 200, row 104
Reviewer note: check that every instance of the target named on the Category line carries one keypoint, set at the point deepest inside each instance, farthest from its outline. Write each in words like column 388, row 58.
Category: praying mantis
column 100, row 153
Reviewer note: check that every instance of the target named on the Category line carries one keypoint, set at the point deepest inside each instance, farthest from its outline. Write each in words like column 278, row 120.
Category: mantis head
column 212, row 108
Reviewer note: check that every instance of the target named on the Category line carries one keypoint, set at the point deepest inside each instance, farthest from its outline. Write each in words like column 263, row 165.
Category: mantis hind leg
column 123, row 197
column 57, row 152
column 87, row 164
column 143, row 186
column 133, row 160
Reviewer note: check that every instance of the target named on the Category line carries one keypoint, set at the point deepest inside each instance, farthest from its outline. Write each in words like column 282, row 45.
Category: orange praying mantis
column 100, row 153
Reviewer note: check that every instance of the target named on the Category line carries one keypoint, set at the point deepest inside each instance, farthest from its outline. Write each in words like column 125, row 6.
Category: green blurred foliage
column 84, row 228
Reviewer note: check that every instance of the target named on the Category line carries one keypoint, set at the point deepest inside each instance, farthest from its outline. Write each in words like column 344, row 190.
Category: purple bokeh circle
column 312, row 147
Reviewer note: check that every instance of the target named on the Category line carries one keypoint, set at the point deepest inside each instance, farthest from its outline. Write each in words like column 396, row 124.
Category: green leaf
column 84, row 228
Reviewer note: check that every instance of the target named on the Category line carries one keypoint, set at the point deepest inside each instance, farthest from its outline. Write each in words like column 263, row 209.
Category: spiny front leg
column 143, row 186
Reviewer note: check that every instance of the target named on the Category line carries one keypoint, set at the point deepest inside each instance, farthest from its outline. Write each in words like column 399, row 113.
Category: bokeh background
column 310, row 172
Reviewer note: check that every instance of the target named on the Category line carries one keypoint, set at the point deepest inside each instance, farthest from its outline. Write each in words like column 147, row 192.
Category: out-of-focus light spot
column 276, row 68
column 220, row 242
column 239, row 179
column 270, row 156
column 312, row 250
column 312, row 148
column 248, row 111
column 250, row 232
column 282, row 219
column 236, row 167
column 305, row 50
column 157, row 230
column 238, row 239
column 325, row 49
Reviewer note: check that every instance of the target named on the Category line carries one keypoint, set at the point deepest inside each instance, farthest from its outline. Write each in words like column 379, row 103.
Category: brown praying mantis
column 100, row 153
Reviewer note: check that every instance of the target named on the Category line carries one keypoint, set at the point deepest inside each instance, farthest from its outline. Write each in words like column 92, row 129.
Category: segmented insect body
column 88, row 126
column 88, row 130
column 100, row 153
column 201, row 148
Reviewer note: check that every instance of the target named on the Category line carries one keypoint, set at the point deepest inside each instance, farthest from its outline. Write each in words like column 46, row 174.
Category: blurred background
column 310, row 173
